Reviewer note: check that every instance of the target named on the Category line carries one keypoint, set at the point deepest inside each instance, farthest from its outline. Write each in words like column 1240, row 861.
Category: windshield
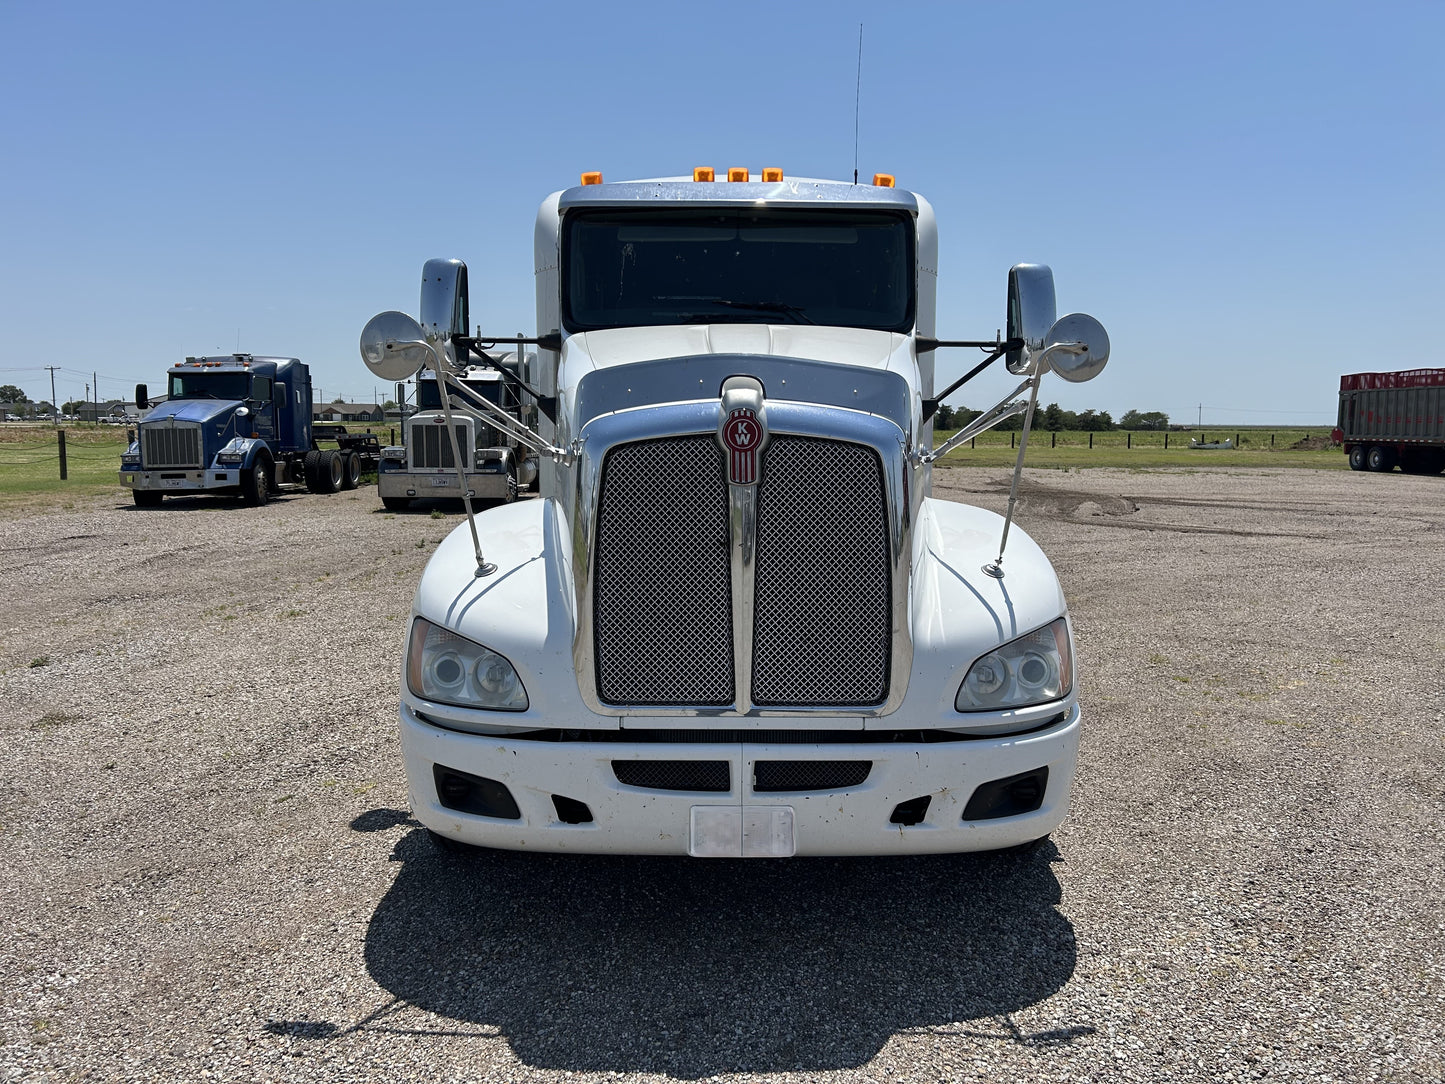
column 428, row 398
column 210, row 385
column 844, row 268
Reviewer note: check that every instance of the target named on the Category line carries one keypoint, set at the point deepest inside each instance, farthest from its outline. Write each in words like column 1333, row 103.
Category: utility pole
column 54, row 417
column 95, row 385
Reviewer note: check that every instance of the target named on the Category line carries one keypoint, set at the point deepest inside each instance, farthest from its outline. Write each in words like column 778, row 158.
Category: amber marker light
column 883, row 180
column 702, row 173
column 772, row 173
column 736, row 174
column 592, row 178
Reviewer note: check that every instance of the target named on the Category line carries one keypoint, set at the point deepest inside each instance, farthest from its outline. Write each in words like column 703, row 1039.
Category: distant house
column 347, row 412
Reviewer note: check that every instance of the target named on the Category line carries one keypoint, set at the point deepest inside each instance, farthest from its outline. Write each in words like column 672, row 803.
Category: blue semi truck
column 238, row 425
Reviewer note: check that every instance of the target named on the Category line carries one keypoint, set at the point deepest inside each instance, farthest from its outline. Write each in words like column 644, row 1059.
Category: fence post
column 1054, row 439
column 1271, row 440
column 1166, row 440
column 391, row 438
column 1010, row 439
column 1091, row 438
column 1128, row 440
column 972, row 443
column 1236, row 442
column 61, row 434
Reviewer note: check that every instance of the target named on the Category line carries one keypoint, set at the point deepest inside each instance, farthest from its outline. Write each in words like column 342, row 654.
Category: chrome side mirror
column 1032, row 310
column 1078, row 348
column 394, row 347
column 444, row 303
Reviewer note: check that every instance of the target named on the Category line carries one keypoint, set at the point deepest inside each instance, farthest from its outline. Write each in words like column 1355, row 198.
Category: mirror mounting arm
column 996, row 350
column 471, row 346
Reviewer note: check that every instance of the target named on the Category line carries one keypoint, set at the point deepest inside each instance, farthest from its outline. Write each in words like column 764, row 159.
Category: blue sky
column 1248, row 196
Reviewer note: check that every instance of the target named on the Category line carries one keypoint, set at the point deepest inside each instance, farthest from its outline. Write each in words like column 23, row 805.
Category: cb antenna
column 857, row 98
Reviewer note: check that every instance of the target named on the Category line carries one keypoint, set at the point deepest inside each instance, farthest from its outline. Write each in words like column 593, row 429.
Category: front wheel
column 256, row 483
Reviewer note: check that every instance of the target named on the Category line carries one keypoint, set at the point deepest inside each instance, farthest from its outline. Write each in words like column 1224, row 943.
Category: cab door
column 263, row 409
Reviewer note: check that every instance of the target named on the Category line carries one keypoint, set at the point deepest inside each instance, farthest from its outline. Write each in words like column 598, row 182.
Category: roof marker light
column 736, row 174
column 592, row 178
column 772, row 173
column 883, row 180
column 702, row 173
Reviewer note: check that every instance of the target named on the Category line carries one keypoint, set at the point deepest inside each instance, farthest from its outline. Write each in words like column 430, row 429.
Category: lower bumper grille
column 695, row 775
column 798, row 775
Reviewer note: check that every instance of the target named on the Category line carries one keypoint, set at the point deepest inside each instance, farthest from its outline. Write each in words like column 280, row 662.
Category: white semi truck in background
column 495, row 466
column 736, row 622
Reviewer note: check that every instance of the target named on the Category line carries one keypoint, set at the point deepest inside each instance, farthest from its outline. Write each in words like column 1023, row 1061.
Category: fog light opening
column 1011, row 796
column 473, row 794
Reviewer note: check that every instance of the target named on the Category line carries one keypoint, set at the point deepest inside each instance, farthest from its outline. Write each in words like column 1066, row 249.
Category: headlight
column 234, row 451
column 1033, row 669
column 442, row 666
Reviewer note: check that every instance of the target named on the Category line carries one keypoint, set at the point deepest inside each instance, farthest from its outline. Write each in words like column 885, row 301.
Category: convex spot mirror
column 393, row 346
column 1078, row 348
column 1032, row 311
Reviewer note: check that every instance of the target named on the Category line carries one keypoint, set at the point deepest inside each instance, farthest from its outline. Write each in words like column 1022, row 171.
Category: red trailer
column 1394, row 419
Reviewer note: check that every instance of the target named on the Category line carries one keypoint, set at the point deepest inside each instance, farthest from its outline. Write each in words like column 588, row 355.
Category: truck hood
column 623, row 368
column 191, row 410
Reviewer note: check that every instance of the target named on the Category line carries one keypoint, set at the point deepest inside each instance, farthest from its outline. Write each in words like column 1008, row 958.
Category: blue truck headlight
column 1033, row 669
column 442, row 666
column 234, row 452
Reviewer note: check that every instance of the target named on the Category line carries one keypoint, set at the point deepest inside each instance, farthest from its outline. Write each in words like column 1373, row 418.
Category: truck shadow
column 694, row 968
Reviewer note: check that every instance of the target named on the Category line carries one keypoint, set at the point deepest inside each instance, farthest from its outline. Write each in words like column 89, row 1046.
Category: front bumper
column 485, row 485
column 189, row 480
column 631, row 820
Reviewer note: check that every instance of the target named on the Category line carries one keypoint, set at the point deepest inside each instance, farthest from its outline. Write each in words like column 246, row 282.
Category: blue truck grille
column 163, row 447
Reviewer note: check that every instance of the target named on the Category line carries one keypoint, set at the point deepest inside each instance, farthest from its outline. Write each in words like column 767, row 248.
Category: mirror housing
column 1078, row 348
column 142, row 397
column 278, row 392
column 1032, row 311
column 444, row 303
column 394, row 346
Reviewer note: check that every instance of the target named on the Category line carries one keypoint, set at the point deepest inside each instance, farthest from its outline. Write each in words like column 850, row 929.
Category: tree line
column 1054, row 418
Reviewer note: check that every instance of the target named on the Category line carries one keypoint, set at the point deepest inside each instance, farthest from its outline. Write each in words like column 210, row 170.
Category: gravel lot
column 213, row 872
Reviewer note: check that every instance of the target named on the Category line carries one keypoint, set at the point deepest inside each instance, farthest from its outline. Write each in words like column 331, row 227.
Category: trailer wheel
column 147, row 498
column 396, row 504
column 1378, row 458
column 256, row 483
column 311, row 468
column 1357, row 457
column 351, row 471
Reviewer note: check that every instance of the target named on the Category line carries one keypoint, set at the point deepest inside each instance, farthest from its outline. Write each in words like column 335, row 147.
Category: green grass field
column 30, row 461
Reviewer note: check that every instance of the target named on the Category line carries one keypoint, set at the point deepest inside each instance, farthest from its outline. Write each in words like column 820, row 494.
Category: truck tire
column 331, row 470
column 396, row 504
column 511, row 485
column 256, row 482
column 1379, row 458
column 146, row 498
column 351, row 471
column 1357, row 457
column 311, row 468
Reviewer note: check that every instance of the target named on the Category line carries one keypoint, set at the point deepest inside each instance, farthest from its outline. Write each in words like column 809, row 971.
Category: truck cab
column 736, row 622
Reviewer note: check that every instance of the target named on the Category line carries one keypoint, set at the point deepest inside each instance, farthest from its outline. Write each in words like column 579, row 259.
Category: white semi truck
column 736, row 623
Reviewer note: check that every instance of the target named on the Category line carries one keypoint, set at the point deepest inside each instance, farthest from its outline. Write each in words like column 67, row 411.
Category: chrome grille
column 431, row 448
column 164, row 446
column 822, row 626
column 662, row 596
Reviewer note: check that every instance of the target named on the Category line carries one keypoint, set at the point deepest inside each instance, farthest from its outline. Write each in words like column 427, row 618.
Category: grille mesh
column 823, row 602
column 431, row 448
column 165, row 446
column 662, row 600
column 694, row 775
column 795, row 775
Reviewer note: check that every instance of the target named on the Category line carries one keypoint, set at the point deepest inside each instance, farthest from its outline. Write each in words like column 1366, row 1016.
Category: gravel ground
column 215, row 874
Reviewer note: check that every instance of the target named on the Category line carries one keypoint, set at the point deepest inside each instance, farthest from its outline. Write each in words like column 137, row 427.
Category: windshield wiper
column 798, row 315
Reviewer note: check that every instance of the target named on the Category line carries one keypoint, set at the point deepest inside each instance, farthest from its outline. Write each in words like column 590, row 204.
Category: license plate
column 173, row 483
column 750, row 831
column 440, row 481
